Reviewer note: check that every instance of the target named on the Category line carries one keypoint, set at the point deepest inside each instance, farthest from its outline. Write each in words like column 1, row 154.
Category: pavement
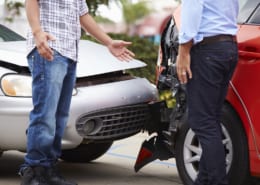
column 116, row 167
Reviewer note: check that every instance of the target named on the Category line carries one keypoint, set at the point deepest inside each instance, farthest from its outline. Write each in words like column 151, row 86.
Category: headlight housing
column 17, row 85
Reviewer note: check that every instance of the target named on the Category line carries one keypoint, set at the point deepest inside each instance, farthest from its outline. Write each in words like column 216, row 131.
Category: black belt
column 218, row 38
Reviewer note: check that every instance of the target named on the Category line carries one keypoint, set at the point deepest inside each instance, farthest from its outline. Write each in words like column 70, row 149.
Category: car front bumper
column 14, row 114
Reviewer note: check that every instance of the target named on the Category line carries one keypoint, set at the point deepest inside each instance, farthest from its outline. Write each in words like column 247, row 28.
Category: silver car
column 107, row 104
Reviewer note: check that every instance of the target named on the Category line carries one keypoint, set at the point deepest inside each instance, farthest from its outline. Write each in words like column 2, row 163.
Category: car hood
column 94, row 58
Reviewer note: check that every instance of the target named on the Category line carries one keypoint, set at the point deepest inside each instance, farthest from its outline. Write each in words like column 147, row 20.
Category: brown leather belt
column 218, row 38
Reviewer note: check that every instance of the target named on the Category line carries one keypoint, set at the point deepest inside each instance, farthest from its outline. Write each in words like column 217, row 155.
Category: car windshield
column 8, row 35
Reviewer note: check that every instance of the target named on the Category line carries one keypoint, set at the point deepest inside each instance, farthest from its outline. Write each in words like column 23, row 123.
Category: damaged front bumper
column 165, row 123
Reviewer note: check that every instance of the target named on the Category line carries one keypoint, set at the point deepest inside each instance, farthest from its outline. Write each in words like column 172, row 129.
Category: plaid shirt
column 60, row 18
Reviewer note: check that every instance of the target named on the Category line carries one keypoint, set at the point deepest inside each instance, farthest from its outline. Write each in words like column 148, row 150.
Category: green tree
column 12, row 9
column 133, row 12
column 93, row 5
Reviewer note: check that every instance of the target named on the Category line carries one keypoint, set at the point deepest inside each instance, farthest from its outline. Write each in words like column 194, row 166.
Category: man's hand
column 41, row 41
column 119, row 50
column 183, row 62
column 183, row 68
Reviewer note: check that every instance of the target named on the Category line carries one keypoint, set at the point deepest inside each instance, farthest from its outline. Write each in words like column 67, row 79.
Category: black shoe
column 54, row 178
column 33, row 176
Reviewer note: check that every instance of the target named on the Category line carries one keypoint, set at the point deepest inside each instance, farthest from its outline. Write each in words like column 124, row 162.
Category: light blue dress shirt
column 204, row 18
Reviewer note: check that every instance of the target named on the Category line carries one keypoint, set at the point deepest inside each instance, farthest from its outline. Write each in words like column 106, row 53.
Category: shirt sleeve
column 83, row 7
column 191, row 14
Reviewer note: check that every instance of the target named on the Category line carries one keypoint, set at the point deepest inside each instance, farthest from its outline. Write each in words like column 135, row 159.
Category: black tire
column 235, row 145
column 85, row 153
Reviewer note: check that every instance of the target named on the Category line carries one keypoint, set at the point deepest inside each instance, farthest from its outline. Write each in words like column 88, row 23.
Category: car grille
column 116, row 123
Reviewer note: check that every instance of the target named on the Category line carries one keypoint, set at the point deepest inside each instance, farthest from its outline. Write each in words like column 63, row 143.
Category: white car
column 107, row 103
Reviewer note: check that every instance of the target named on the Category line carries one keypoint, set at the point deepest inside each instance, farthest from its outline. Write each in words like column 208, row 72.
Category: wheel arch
column 240, row 161
column 235, row 102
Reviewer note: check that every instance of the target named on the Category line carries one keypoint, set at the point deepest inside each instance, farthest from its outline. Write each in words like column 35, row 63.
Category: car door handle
column 249, row 54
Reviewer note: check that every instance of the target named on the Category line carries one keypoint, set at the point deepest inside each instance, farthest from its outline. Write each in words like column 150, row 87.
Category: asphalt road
column 114, row 168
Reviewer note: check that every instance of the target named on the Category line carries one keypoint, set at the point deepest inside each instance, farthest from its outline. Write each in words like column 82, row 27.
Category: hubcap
column 192, row 152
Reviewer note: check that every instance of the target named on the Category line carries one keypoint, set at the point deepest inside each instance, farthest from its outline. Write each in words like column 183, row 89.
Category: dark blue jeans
column 212, row 67
column 52, row 88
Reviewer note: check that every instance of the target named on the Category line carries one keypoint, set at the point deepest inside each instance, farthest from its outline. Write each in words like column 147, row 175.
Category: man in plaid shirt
column 52, row 58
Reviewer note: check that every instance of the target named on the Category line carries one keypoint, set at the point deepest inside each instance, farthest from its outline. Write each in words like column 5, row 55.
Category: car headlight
column 19, row 85
column 16, row 85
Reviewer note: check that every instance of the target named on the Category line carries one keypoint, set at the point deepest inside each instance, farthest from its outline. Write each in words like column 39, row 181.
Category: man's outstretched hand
column 119, row 50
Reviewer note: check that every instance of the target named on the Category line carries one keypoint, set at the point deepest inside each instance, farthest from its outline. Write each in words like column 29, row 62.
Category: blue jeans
column 52, row 88
column 212, row 67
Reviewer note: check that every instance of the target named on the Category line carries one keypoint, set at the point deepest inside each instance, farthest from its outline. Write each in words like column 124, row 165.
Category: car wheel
column 188, row 150
column 85, row 152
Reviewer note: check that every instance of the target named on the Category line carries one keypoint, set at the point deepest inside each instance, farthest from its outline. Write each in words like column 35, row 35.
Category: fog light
column 89, row 127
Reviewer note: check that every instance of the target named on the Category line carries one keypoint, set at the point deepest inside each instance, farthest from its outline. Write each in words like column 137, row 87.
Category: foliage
column 101, row 19
column 93, row 5
column 13, row 8
column 133, row 12
column 144, row 49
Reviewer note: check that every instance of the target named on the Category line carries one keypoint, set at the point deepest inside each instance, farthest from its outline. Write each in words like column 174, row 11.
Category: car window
column 246, row 9
column 242, row 3
column 9, row 35
column 255, row 18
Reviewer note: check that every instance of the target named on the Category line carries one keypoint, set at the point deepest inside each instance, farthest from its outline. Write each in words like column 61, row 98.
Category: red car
column 241, row 111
